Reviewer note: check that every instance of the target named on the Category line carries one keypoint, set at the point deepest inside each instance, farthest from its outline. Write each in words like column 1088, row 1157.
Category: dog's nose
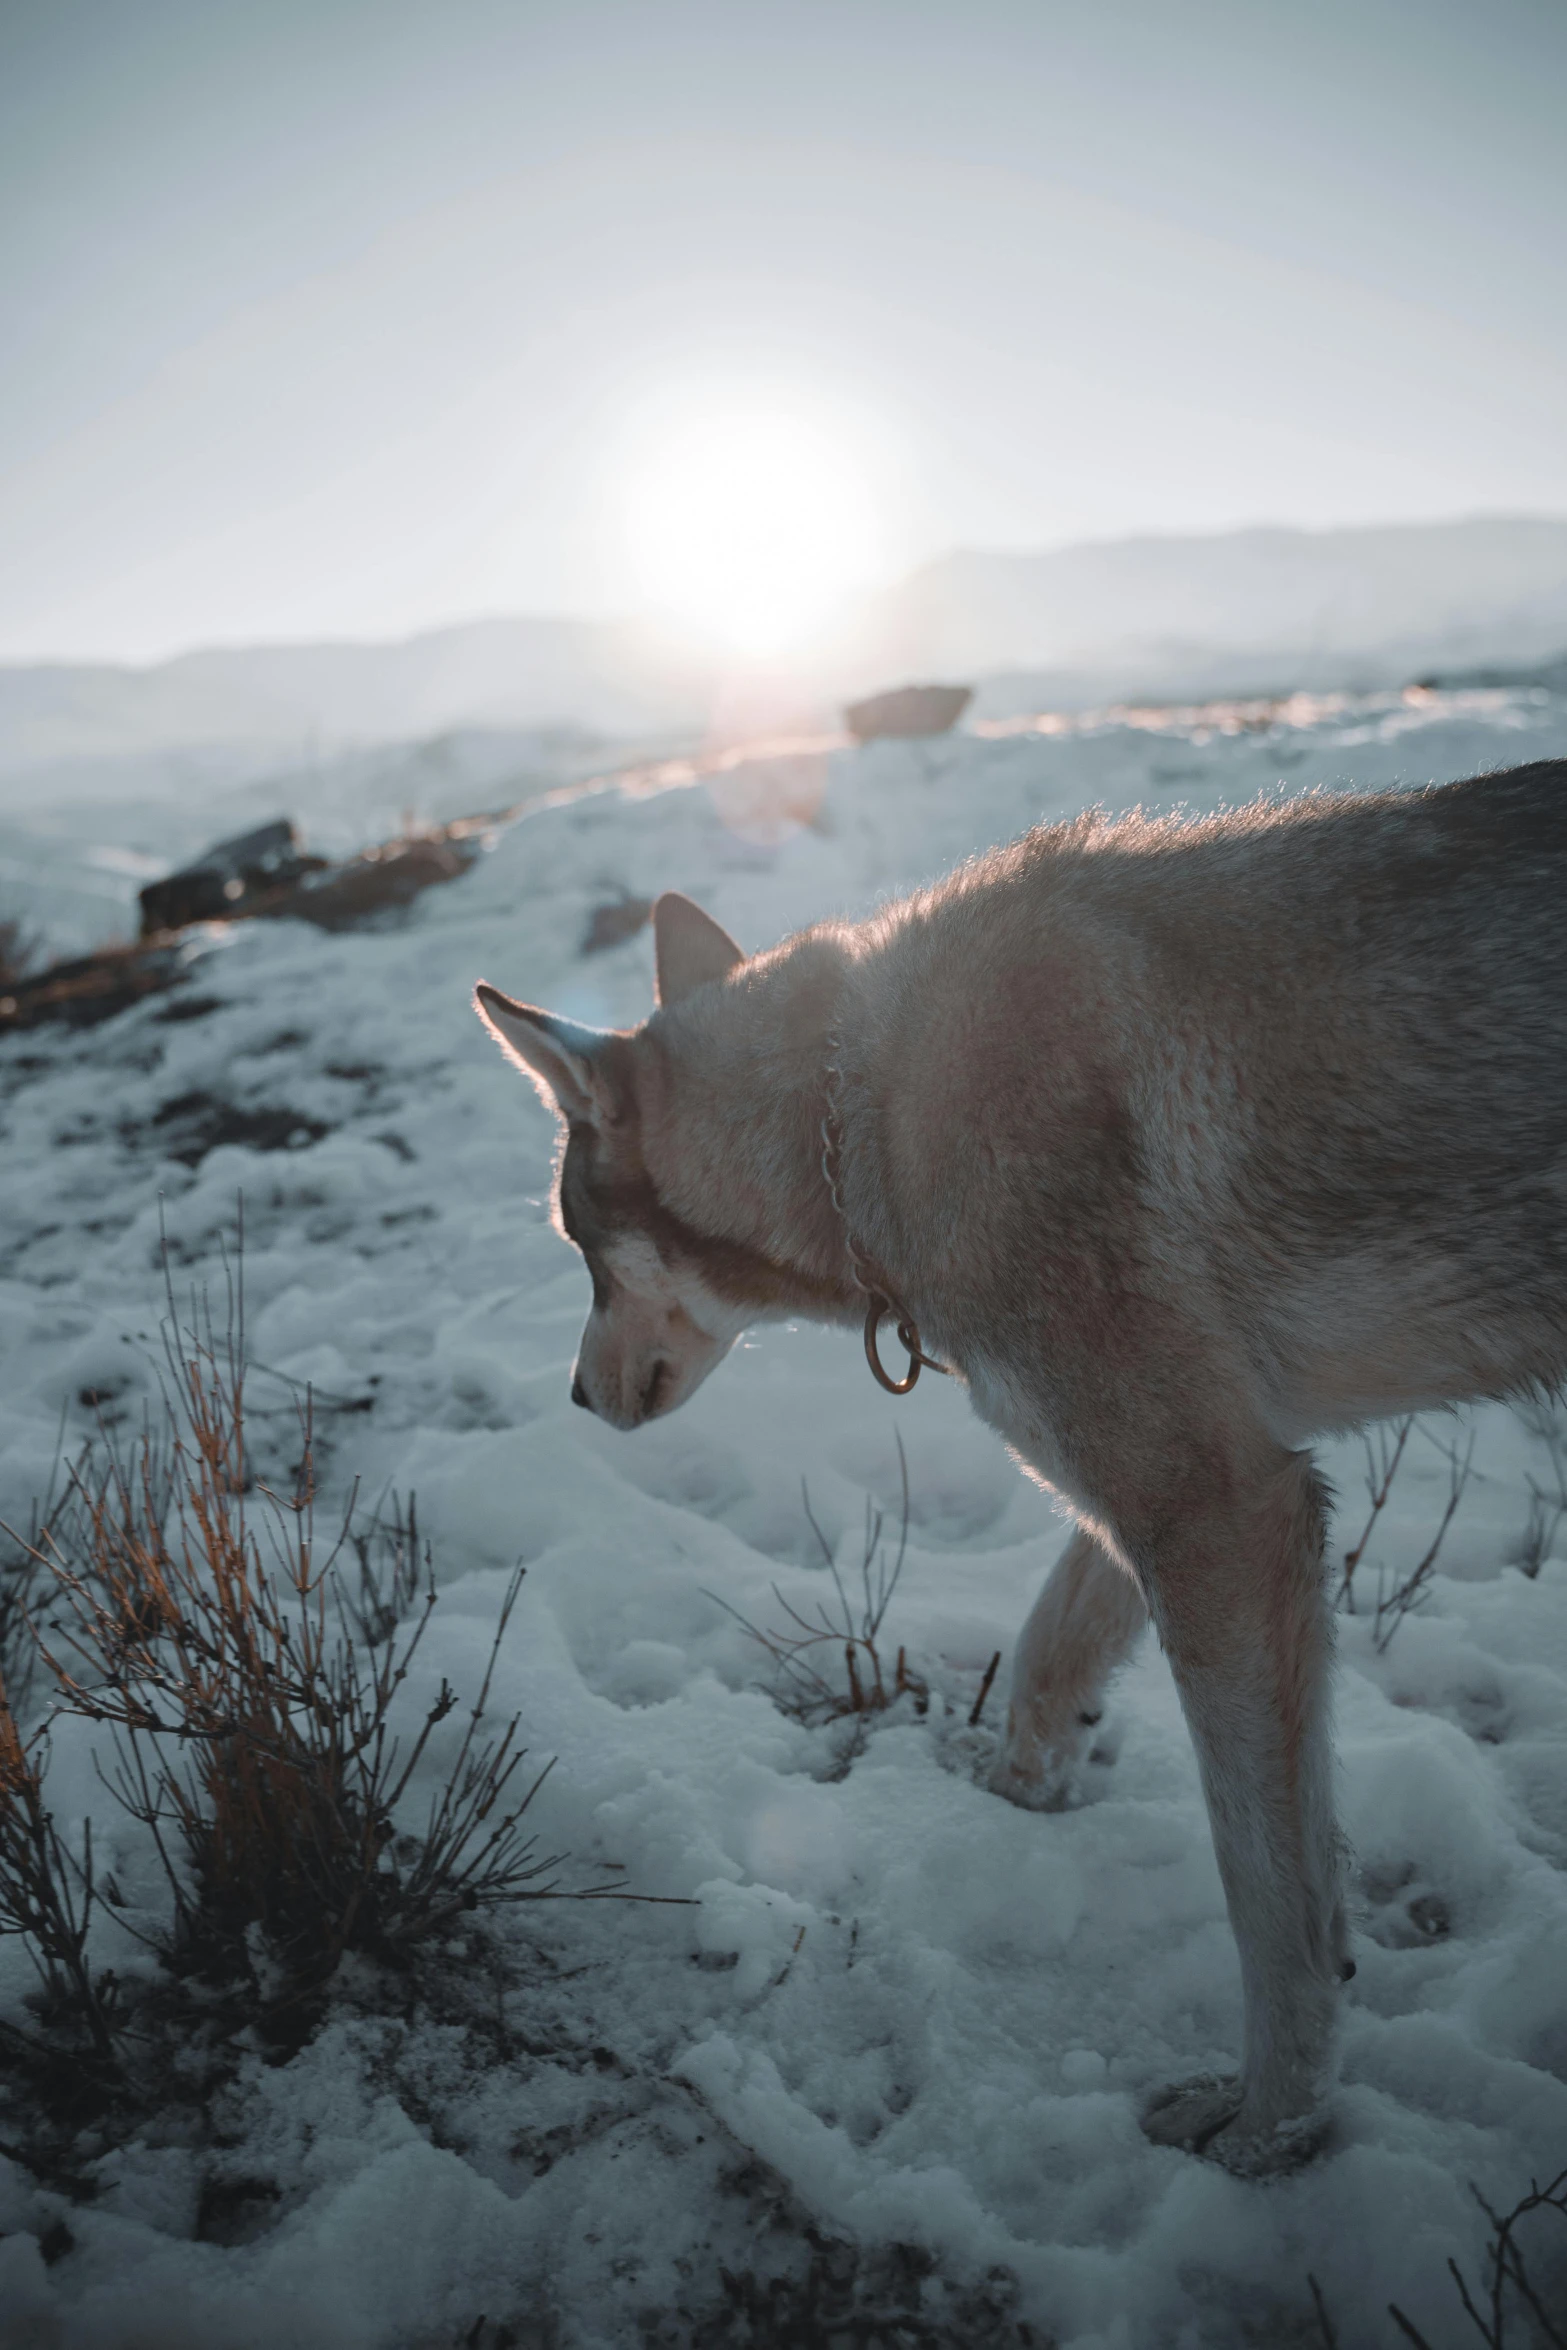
column 579, row 1394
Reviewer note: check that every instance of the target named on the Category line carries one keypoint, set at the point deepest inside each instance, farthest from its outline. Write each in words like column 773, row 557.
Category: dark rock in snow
column 611, row 924
column 266, row 872
column 380, row 881
column 227, row 878
column 909, row 711
column 195, row 1123
column 260, row 873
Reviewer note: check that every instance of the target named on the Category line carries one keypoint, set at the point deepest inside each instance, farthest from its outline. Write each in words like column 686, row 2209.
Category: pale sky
column 351, row 317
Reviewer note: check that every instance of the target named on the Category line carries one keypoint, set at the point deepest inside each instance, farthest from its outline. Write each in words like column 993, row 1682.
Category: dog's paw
column 1206, row 2116
column 1190, row 2114
column 1058, row 1768
column 1039, row 1783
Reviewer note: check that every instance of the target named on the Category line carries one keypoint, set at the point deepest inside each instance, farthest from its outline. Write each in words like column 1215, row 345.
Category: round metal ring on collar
column 908, row 1339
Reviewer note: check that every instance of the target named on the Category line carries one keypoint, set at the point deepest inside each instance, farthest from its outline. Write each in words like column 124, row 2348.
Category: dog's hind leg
column 1082, row 1626
column 1237, row 1593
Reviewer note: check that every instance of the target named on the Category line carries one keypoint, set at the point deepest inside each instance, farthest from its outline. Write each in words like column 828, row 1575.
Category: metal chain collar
column 880, row 1300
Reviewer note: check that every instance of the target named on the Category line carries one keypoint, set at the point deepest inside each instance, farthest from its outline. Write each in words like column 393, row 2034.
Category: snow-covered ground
column 899, row 2013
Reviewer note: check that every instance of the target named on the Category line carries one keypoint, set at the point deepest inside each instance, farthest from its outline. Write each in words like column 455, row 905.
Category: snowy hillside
column 885, row 2071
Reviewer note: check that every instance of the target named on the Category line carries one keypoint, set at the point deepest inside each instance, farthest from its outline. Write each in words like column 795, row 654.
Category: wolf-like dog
column 1179, row 1143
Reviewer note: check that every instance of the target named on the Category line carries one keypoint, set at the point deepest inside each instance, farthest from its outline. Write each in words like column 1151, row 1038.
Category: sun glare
column 749, row 525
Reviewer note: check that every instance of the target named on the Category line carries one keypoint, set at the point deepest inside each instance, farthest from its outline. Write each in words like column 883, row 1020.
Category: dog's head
column 658, row 1325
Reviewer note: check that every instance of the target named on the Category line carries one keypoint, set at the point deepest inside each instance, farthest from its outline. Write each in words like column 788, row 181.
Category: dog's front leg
column 1082, row 1626
column 1237, row 1595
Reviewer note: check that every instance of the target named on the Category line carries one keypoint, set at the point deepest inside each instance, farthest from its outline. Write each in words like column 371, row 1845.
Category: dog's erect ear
column 689, row 948
column 561, row 1057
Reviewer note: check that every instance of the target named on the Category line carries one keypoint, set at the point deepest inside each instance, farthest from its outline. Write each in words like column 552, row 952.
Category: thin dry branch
column 395, row 1569
column 1325, row 2325
column 1391, row 1611
column 46, row 1894
column 853, row 1625
column 1384, row 1450
column 984, row 1691
column 1547, row 1502
column 23, row 1584
column 1505, row 2267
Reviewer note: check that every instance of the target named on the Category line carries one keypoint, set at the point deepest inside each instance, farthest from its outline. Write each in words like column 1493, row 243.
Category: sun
column 749, row 523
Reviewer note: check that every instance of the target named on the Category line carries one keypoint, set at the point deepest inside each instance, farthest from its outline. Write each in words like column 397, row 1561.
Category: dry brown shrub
column 199, row 1614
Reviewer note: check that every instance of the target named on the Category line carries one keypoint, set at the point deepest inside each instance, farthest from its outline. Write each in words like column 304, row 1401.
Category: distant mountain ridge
column 606, row 677
column 1249, row 608
column 1313, row 606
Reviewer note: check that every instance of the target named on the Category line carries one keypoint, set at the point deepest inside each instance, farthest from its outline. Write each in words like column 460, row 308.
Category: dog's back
column 1310, row 1058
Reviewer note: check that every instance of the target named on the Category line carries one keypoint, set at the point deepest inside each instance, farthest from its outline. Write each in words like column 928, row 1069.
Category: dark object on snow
column 621, row 919
column 335, row 897
column 909, row 711
column 1511, row 677
column 227, row 879
column 267, row 873
column 90, row 988
column 193, row 1124
column 262, row 873
column 18, row 950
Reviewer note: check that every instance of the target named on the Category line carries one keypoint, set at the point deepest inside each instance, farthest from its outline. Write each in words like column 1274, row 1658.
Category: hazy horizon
column 456, row 622
column 345, row 322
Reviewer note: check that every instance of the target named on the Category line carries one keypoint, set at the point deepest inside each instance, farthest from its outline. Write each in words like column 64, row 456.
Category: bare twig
column 1384, row 1450
column 395, row 1569
column 1390, row 1612
column 853, row 1624
column 1505, row 2267
column 1547, row 1502
column 984, row 1691
column 23, row 1584
column 1507, row 2262
column 1325, row 2325
column 787, row 1969
column 46, row 1894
